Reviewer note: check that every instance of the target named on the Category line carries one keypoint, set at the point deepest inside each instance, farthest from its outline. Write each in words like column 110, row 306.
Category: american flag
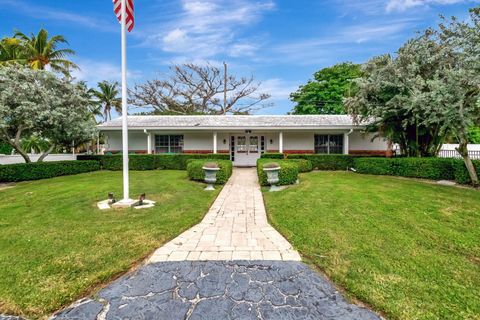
column 130, row 19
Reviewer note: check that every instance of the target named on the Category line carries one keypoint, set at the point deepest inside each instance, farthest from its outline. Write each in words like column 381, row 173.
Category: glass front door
column 247, row 150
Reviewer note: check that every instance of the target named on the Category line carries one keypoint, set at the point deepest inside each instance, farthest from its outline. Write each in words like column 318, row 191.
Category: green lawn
column 55, row 245
column 409, row 249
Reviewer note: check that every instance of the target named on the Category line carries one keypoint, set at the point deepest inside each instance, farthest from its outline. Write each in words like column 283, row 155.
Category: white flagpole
column 126, row 195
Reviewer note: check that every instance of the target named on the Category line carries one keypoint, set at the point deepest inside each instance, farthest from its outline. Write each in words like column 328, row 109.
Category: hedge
column 424, row 168
column 461, row 172
column 326, row 161
column 151, row 161
column 288, row 172
column 195, row 171
column 272, row 155
column 303, row 165
column 44, row 170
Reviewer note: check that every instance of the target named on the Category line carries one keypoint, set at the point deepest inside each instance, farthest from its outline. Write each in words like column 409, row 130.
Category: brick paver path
column 233, row 265
column 235, row 228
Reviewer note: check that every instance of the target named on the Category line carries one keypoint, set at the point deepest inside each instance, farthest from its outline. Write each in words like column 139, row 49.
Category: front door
column 247, row 150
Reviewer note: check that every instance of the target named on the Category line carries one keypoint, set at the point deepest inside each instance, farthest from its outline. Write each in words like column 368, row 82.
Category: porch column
column 214, row 142
column 149, row 141
column 280, row 142
column 346, row 141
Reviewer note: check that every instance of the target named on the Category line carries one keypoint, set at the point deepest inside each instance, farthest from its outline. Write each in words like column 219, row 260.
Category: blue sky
column 281, row 42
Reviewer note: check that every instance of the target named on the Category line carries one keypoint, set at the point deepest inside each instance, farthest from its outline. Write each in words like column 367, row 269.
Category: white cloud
column 344, row 41
column 279, row 89
column 96, row 71
column 402, row 5
column 205, row 28
column 54, row 14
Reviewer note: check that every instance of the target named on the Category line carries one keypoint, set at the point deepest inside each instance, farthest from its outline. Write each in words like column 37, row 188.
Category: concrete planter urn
column 211, row 170
column 272, row 170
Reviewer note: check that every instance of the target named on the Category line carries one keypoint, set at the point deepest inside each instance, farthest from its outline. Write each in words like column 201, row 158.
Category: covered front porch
column 243, row 146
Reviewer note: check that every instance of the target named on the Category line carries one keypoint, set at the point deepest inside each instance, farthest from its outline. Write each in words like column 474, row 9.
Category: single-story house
column 243, row 137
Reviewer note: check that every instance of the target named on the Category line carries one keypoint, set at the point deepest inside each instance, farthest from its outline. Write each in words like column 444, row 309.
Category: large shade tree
column 199, row 89
column 324, row 94
column 36, row 102
column 429, row 91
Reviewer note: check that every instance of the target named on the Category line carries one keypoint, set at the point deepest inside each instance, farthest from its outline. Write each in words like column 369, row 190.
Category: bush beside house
column 44, row 170
column 424, row 168
column 326, row 161
column 288, row 173
column 195, row 169
column 151, row 161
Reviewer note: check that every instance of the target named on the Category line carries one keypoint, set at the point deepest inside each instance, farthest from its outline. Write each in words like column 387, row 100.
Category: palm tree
column 35, row 144
column 10, row 51
column 41, row 51
column 107, row 96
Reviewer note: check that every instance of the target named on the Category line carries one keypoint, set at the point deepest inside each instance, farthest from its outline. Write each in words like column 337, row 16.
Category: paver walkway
column 233, row 265
column 235, row 228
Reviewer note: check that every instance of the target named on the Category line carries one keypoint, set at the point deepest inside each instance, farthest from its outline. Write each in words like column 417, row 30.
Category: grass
column 56, row 246
column 407, row 248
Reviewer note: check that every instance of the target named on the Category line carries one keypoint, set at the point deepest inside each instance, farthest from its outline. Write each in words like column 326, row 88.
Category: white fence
column 11, row 159
column 449, row 151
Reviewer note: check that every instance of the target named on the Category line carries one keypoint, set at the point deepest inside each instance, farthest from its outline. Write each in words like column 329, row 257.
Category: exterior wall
column 137, row 141
column 362, row 144
column 293, row 142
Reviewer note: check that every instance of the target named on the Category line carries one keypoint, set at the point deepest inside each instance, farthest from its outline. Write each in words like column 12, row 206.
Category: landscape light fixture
column 111, row 198
column 141, row 199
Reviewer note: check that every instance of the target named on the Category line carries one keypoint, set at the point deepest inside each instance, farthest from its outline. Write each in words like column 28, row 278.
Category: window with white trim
column 329, row 143
column 168, row 143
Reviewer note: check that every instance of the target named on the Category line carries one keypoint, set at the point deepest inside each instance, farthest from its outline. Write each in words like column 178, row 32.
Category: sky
column 280, row 42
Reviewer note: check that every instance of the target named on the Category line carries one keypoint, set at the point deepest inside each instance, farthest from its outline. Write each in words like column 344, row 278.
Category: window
column 253, row 144
column 168, row 143
column 329, row 143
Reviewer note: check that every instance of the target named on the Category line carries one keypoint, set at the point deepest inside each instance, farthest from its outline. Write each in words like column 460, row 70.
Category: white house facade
column 243, row 137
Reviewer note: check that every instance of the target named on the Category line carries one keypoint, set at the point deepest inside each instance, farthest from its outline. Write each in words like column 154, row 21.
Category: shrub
column 44, row 170
column 425, row 168
column 152, row 161
column 195, row 169
column 303, row 165
column 461, row 172
column 326, row 161
column 272, row 155
column 5, row 148
column 288, row 173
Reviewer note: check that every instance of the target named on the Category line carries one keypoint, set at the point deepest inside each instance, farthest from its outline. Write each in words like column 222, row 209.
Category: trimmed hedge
column 424, row 168
column 151, row 161
column 195, row 171
column 303, row 165
column 461, row 172
column 326, row 161
column 44, row 170
column 272, row 155
column 288, row 172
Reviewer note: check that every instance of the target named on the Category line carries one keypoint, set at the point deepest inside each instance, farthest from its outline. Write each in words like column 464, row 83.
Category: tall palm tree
column 41, row 51
column 107, row 96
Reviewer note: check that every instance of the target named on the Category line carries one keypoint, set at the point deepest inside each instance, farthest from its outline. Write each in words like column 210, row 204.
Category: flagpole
column 126, row 195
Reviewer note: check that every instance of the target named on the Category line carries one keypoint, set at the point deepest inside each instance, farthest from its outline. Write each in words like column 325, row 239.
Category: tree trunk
column 46, row 153
column 462, row 149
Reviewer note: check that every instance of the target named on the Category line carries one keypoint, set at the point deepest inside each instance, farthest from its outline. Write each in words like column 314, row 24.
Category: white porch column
column 149, row 143
column 346, row 141
column 280, row 142
column 215, row 142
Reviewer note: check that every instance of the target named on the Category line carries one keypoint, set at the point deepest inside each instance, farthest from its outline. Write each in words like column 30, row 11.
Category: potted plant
column 211, row 169
column 272, row 170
